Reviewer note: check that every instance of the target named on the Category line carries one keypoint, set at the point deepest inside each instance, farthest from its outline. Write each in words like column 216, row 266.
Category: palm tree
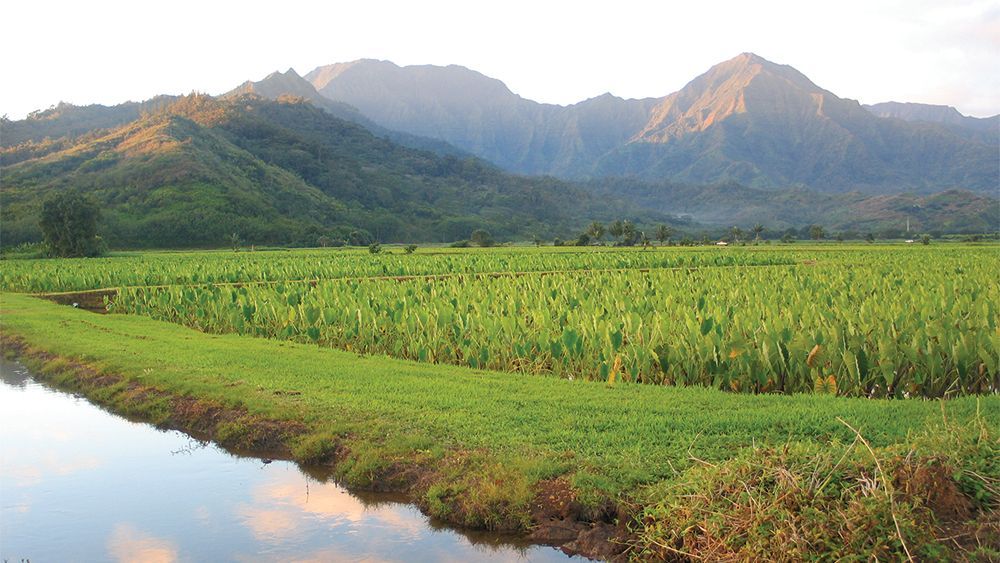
column 757, row 230
column 617, row 229
column 736, row 233
column 630, row 235
column 664, row 233
column 596, row 231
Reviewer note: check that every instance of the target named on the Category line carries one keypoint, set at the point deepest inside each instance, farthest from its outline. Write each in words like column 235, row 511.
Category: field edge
column 539, row 498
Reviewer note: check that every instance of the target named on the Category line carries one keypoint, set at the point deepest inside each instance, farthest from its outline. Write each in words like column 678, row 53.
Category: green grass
column 486, row 439
column 630, row 434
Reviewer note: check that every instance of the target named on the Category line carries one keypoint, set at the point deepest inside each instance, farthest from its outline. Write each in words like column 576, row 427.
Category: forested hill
column 280, row 172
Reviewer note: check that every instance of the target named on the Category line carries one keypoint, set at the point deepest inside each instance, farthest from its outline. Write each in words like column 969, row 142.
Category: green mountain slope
column 283, row 172
column 73, row 121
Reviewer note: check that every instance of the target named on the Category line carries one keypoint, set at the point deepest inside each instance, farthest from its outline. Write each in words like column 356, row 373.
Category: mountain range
column 372, row 150
column 746, row 120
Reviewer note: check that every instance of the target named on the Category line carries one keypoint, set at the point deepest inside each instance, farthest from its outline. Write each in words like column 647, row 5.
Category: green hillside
column 280, row 172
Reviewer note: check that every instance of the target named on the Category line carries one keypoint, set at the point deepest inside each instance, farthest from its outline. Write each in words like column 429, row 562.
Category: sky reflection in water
column 80, row 484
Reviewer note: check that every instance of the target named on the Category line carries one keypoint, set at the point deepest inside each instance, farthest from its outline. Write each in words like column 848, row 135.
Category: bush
column 479, row 237
column 410, row 248
column 374, row 248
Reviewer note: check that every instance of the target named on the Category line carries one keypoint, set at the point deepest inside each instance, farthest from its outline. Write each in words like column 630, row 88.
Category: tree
column 409, row 249
column 736, row 234
column 596, row 231
column 816, row 232
column 69, row 225
column 479, row 237
column 870, row 237
column 617, row 229
column 324, row 241
column 630, row 235
column 374, row 248
column 925, row 239
column 757, row 230
column 664, row 233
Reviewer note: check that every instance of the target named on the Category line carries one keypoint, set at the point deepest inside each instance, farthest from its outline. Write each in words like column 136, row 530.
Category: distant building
column 724, row 243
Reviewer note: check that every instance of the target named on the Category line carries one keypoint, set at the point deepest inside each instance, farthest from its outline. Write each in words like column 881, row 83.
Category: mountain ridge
column 792, row 132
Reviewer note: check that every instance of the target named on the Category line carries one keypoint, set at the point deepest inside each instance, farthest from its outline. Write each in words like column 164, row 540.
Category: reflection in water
column 79, row 484
column 128, row 544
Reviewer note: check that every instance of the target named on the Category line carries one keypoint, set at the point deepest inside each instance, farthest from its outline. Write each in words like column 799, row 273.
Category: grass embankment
column 659, row 471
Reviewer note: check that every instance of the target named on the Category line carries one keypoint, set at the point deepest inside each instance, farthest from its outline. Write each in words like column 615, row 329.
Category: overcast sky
column 940, row 52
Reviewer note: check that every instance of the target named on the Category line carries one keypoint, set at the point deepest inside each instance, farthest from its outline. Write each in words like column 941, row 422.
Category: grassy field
column 662, row 471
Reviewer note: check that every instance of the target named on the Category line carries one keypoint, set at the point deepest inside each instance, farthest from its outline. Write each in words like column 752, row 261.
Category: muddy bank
column 94, row 301
column 556, row 517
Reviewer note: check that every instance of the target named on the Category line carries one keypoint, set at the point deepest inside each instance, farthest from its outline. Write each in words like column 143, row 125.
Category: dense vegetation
column 69, row 225
column 199, row 170
column 189, row 268
column 864, row 321
column 915, row 323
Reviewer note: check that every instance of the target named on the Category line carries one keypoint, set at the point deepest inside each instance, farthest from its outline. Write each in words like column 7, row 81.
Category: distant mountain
column 983, row 129
column 283, row 172
column 746, row 120
column 289, row 83
column 481, row 115
column 768, row 125
column 279, row 85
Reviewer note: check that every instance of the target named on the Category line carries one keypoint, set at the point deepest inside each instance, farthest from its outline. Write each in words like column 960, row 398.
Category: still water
column 80, row 484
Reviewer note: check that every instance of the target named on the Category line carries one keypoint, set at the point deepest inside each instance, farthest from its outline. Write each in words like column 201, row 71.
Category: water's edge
column 80, row 380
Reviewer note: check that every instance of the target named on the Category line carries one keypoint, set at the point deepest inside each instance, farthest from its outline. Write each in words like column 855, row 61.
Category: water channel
column 80, row 484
